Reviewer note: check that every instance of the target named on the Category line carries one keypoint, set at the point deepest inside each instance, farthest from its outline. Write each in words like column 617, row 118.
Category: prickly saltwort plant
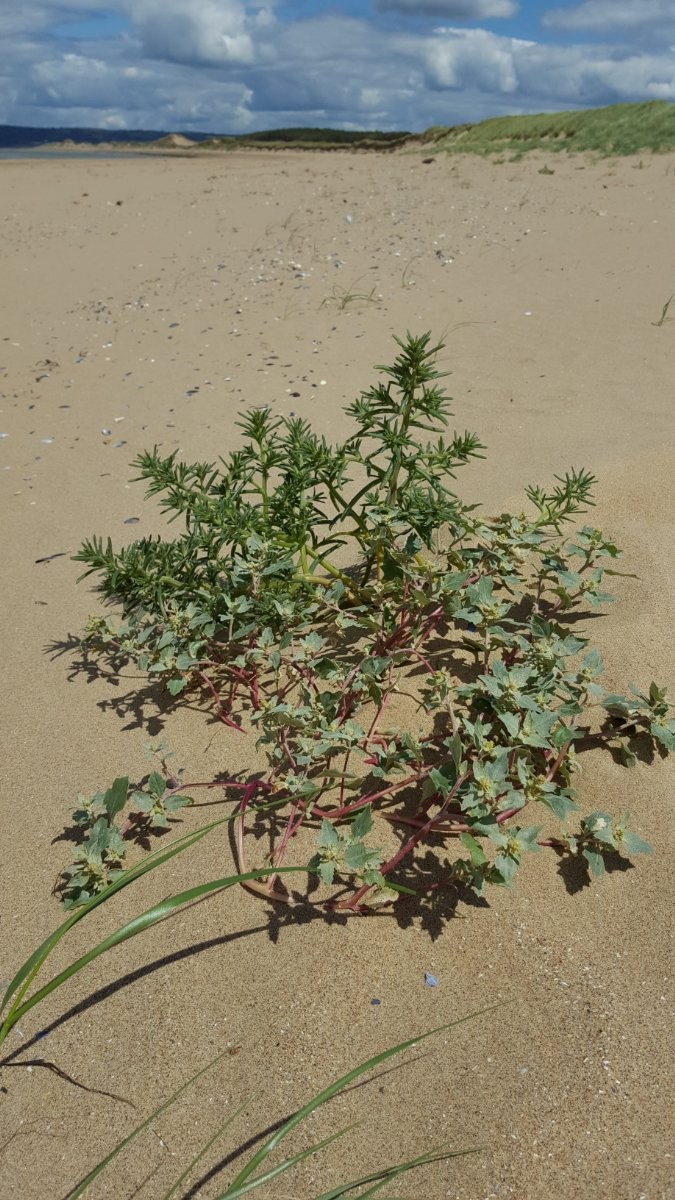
column 316, row 592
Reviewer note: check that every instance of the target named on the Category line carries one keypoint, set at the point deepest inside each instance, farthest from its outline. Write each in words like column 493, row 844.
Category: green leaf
column 141, row 802
column 527, row 838
column 559, row 803
column 362, row 823
column 173, row 803
column 632, row 844
column 116, row 797
column 184, row 662
column 156, row 784
column 133, row 927
column 664, row 734
column 329, row 835
column 511, row 722
column 628, row 757
column 594, row 860
column 600, row 826
column 506, row 867
column 456, row 750
column 88, row 1179
column 98, row 838
column 326, row 870
column 441, row 780
column 476, row 853
column 27, row 972
column 321, row 1098
column 356, row 856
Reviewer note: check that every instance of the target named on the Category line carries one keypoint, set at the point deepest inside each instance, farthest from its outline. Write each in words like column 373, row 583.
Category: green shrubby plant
column 315, row 589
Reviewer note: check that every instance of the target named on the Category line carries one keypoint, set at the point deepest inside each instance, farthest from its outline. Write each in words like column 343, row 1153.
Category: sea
column 79, row 154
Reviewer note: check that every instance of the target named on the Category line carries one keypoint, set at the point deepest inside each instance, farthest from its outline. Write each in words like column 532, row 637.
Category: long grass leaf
column 337, row 1086
column 389, row 1174
column 137, row 925
column 30, row 968
column 96, row 1171
column 281, row 1167
column 201, row 1153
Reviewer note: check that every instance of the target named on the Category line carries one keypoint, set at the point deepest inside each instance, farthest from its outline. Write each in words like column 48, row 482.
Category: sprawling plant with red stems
column 399, row 656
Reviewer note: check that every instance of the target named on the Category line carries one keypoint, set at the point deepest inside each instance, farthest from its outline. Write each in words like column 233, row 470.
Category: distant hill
column 616, row 129
column 25, row 137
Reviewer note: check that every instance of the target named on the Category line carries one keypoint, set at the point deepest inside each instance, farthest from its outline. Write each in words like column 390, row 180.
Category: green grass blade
column 281, row 1167
column 332, row 1090
column 137, row 925
column 101, row 1166
column 27, row 972
column 204, row 1150
column 389, row 1174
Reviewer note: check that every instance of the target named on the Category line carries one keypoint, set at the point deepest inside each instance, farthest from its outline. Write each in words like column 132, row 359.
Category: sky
column 235, row 66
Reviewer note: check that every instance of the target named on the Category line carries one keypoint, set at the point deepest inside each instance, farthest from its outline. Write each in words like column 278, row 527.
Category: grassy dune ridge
column 617, row 129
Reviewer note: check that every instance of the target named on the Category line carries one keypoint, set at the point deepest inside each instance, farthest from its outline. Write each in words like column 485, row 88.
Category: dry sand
column 156, row 298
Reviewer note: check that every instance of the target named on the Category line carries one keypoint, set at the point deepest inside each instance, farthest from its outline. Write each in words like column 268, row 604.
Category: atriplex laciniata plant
column 434, row 681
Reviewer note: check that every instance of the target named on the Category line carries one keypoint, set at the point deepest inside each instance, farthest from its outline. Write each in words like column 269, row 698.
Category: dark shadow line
column 50, row 1066
column 117, row 985
column 255, row 1138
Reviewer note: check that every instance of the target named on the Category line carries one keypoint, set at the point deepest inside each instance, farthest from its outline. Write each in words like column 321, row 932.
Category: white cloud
column 452, row 10
column 563, row 76
column 233, row 65
column 603, row 16
column 458, row 58
column 207, row 32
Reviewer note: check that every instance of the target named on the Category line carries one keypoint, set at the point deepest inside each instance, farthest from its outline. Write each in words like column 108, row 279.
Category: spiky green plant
column 312, row 585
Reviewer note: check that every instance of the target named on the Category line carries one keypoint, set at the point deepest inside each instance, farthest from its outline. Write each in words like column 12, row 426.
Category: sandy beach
column 147, row 302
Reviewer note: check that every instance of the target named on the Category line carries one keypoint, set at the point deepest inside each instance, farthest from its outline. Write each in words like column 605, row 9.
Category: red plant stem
column 507, row 814
column 432, row 622
column 289, row 752
column 450, row 830
column 425, row 661
column 221, row 712
column 252, row 885
column 553, row 769
column 221, row 783
column 368, row 738
column 336, row 814
column 291, row 828
column 238, row 672
column 305, row 674
column 354, row 901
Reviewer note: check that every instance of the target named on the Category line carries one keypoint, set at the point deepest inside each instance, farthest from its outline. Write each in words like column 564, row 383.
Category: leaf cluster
column 99, row 858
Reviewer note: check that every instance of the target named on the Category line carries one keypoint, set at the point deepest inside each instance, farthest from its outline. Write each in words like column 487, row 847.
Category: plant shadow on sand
column 148, row 703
